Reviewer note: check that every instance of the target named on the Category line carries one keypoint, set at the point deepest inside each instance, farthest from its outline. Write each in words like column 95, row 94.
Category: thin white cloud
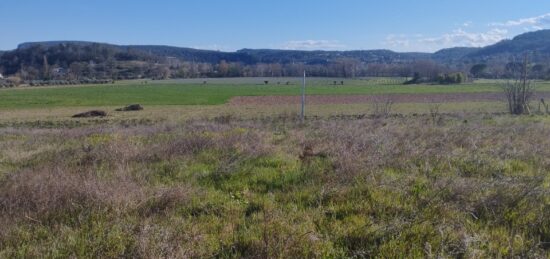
column 460, row 37
column 401, row 41
column 215, row 47
column 313, row 45
column 464, row 37
column 540, row 21
column 457, row 38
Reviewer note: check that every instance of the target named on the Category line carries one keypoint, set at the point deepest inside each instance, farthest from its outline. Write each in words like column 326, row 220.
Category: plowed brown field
column 396, row 98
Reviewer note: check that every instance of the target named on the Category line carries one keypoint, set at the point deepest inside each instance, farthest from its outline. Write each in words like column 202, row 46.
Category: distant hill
column 131, row 61
column 537, row 42
column 196, row 55
column 162, row 51
column 48, row 44
column 248, row 56
column 325, row 57
column 453, row 55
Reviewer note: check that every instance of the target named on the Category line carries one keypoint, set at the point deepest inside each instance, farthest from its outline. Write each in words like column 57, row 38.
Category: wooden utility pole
column 525, row 87
column 302, row 115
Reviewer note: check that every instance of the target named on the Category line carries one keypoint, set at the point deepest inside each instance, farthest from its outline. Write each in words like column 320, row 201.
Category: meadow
column 193, row 176
column 217, row 92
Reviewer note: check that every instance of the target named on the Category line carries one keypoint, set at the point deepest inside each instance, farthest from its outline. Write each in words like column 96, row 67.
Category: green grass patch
column 177, row 93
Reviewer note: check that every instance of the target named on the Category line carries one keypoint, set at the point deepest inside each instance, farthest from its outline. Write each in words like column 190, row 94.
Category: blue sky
column 402, row 25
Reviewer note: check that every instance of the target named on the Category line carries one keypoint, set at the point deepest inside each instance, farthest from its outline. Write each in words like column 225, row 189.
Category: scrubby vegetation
column 452, row 78
column 6, row 84
column 340, row 187
column 69, row 82
column 443, row 79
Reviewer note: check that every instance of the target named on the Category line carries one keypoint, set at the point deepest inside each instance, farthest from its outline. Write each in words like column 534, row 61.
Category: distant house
column 59, row 71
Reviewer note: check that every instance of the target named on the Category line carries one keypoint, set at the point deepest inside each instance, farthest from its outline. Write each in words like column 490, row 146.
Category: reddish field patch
column 356, row 99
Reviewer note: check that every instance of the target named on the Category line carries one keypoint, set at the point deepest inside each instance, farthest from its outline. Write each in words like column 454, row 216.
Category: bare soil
column 89, row 114
column 395, row 98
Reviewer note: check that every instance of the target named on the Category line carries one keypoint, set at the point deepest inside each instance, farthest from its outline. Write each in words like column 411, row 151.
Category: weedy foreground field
column 397, row 186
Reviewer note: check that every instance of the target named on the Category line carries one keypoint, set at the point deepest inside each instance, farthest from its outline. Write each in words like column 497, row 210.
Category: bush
column 15, row 80
column 415, row 80
column 453, row 78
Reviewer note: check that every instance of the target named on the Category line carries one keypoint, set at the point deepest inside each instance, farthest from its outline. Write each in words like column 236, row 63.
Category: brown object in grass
column 131, row 107
column 89, row 114
column 308, row 153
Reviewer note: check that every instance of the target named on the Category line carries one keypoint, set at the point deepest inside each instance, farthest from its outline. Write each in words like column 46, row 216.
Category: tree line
column 85, row 63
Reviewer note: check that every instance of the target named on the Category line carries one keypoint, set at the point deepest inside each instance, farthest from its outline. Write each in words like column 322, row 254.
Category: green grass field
column 216, row 92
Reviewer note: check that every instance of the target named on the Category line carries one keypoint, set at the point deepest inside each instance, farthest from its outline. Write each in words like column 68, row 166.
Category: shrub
column 453, row 78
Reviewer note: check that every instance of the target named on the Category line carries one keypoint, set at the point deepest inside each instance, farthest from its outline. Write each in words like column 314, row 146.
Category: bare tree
column 545, row 106
column 520, row 92
column 382, row 108
column 435, row 115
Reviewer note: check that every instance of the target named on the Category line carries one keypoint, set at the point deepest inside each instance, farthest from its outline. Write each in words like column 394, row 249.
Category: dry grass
column 61, row 117
column 400, row 186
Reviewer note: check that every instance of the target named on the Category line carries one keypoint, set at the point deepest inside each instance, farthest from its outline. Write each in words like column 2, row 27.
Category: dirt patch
column 90, row 114
column 131, row 107
column 357, row 99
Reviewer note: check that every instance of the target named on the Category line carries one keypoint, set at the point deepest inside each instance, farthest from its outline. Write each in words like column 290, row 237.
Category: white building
column 1, row 76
